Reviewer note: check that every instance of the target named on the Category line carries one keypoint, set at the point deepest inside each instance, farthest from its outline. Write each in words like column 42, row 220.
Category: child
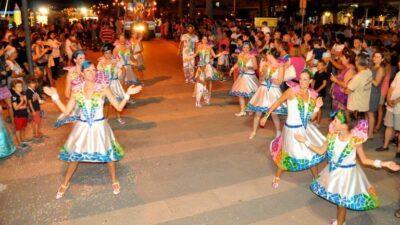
column 223, row 61
column 19, row 104
column 320, row 82
column 34, row 106
column 200, row 87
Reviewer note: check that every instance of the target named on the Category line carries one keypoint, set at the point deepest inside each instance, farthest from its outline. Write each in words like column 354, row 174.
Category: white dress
column 136, row 48
column 112, row 71
column 205, row 60
column 247, row 82
column 343, row 182
column 289, row 154
column 91, row 139
column 266, row 95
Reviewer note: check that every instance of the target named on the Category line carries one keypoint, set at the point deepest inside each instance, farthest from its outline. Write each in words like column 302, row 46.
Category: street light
column 44, row 11
column 84, row 11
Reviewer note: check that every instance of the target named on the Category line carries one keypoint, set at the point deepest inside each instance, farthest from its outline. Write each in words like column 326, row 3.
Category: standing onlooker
column 392, row 117
column 320, row 79
column 34, row 106
column 54, row 57
column 359, row 87
column 71, row 46
column 19, row 103
column 107, row 34
column 378, row 73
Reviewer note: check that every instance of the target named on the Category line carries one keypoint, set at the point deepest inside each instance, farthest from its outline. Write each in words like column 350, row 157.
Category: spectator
column 359, row 87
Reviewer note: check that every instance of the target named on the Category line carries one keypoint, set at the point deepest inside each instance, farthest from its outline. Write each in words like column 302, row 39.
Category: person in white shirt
column 392, row 117
column 265, row 29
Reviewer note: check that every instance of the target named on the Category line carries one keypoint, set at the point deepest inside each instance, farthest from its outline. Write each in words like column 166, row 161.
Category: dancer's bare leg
column 277, row 124
column 314, row 171
column 256, row 123
column 341, row 215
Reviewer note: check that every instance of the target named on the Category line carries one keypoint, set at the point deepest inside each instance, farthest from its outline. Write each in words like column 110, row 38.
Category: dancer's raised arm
column 65, row 109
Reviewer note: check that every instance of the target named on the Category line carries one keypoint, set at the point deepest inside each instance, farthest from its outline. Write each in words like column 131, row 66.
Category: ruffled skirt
column 346, row 187
column 6, row 142
column 263, row 99
column 130, row 76
column 212, row 73
column 245, row 86
column 117, row 89
column 291, row 155
column 95, row 143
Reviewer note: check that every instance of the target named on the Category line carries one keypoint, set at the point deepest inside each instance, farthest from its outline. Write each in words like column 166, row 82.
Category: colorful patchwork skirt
column 291, row 155
column 346, row 187
column 6, row 142
column 212, row 73
column 245, row 86
column 263, row 99
column 91, row 143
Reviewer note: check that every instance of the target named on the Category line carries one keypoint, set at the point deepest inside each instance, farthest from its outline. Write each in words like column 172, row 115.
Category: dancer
column 91, row 139
column 74, row 73
column 343, row 181
column 137, row 49
column 272, row 75
column 201, row 87
column 6, row 144
column 109, row 67
column 5, row 76
column 206, row 55
column 123, row 52
column 288, row 154
column 246, row 84
column 187, row 47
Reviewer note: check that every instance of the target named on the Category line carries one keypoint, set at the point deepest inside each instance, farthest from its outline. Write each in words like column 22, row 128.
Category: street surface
column 182, row 166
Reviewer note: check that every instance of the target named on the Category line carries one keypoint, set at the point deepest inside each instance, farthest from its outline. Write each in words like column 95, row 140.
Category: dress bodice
column 300, row 111
column 110, row 70
column 269, row 76
column 204, row 57
column 246, row 66
column 91, row 110
column 125, row 55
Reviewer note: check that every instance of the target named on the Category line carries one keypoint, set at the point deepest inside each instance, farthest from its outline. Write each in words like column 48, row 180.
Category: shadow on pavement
column 145, row 101
column 131, row 124
column 155, row 80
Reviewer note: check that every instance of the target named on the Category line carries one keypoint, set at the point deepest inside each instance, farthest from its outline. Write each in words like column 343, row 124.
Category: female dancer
column 109, row 67
column 5, row 76
column 343, row 181
column 74, row 75
column 91, row 139
column 246, row 84
column 137, row 49
column 272, row 75
column 123, row 52
column 6, row 144
column 206, row 55
column 288, row 154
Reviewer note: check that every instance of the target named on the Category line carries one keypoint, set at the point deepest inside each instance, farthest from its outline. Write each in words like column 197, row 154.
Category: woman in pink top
column 384, row 91
column 297, row 61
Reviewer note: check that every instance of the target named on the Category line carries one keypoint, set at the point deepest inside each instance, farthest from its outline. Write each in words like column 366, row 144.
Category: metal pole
column 27, row 30
column 234, row 7
column 366, row 17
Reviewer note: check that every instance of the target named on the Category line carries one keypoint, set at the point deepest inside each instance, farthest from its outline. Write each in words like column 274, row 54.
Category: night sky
column 56, row 3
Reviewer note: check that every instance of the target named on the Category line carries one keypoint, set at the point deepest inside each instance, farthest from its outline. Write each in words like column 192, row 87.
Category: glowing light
column 139, row 28
column 84, row 10
column 44, row 11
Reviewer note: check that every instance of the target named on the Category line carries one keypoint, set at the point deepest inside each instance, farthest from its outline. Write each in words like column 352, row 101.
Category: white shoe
column 334, row 222
column 252, row 135
column 240, row 114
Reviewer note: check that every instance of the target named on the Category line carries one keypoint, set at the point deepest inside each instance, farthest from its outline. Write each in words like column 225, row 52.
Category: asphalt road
column 183, row 166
